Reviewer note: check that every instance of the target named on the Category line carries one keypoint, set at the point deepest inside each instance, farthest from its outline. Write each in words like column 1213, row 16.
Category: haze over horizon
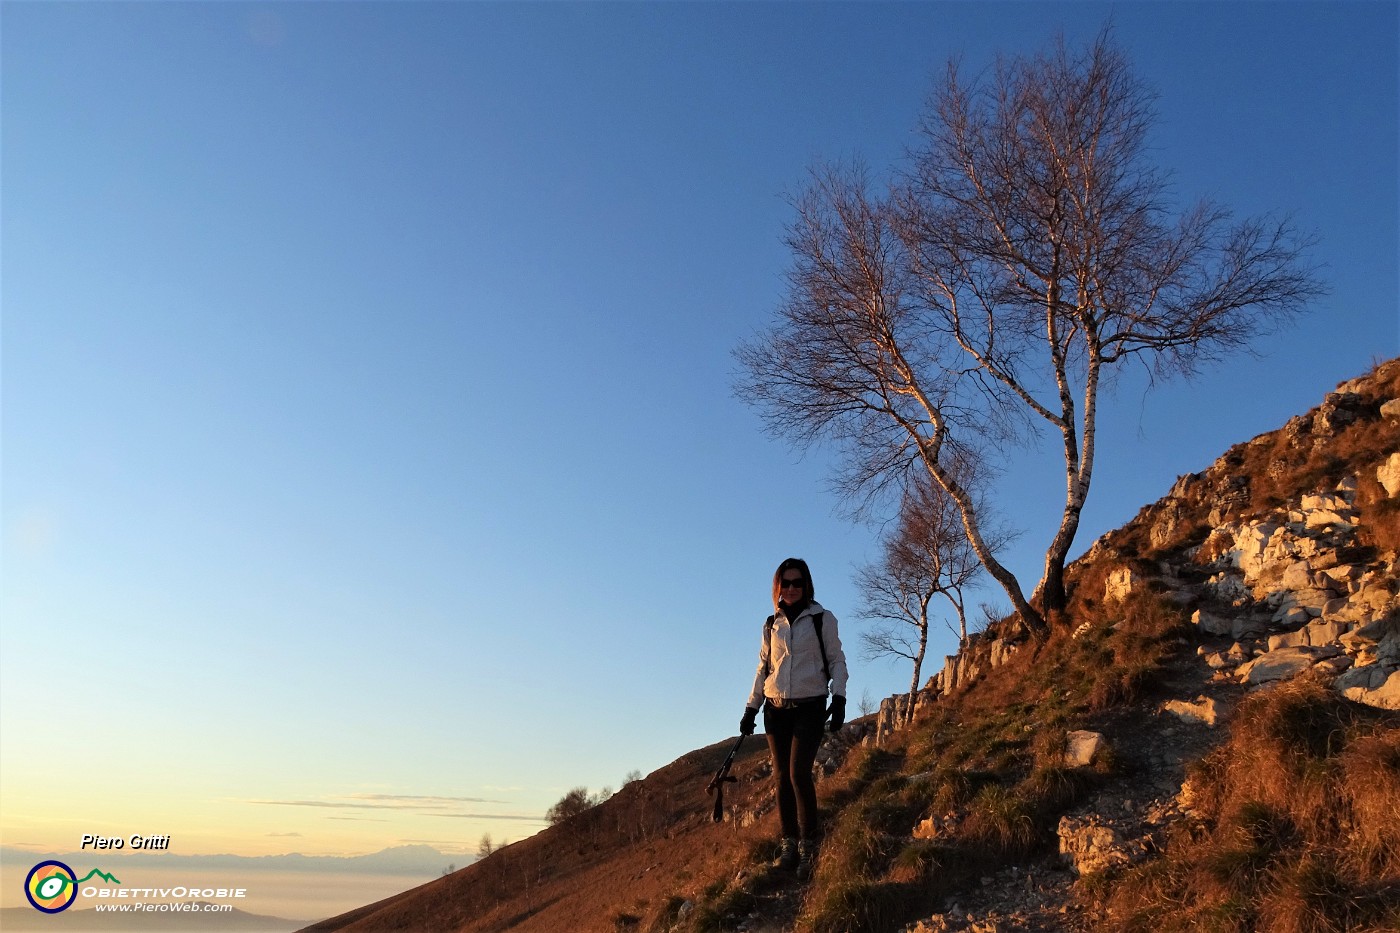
column 372, row 474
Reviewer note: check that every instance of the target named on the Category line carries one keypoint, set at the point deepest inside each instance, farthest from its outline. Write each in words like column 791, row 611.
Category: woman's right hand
column 748, row 723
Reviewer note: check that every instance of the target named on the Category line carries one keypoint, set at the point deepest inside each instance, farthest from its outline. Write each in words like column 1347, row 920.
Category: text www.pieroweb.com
column 166, row 908
column 187, row 900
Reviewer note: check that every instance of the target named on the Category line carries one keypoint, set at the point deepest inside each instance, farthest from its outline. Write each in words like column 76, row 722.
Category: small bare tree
column 927, row 556
column 1029, row 250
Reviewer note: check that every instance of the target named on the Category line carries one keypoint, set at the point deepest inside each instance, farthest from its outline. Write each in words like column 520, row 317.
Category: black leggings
column 794, row 735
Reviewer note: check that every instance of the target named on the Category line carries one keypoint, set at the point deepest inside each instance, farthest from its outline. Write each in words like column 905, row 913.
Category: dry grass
column 1117, row 661
column 990, row 763
column 858, row 905
column 1380, row 528
column 1297, row 828
column 1282, row 469
column 1000, row 823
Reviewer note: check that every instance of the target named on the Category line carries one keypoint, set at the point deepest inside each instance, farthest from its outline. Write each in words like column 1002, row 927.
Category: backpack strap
column 767, row 647
column 768, row 644
column 821, row 643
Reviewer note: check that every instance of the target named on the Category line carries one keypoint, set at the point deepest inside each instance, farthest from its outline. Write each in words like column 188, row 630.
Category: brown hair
column 792, row 563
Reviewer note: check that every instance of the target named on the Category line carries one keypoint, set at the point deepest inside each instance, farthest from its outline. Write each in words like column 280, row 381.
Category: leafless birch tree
column 1028, row 249
column 926, row 556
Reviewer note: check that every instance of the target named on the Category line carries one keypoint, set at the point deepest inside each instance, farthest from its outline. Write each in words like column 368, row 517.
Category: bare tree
column 927, row 555
column 1029, row 248
column 485, row 847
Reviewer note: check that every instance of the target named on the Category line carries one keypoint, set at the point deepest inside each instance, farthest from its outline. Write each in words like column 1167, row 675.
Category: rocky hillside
column 1212, row 741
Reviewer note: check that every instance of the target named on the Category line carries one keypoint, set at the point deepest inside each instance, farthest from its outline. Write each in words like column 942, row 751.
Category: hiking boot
column 806, row 858
column 788, row 856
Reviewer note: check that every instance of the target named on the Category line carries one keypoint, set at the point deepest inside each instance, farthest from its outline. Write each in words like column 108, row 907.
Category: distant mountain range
column 414, row 861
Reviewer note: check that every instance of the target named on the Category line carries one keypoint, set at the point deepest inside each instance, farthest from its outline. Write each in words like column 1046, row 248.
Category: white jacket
column 794, row 659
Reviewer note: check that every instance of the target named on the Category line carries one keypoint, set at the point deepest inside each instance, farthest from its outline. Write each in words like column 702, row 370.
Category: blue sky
column 368, row 434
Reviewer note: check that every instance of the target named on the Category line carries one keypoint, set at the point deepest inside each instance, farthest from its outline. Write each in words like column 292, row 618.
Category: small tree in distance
column 926, row 556
column 571, row 804
column 575, row 802
column 1029, row 248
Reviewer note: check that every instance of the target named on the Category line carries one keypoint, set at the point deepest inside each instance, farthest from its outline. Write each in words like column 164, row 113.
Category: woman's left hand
column 838, row 713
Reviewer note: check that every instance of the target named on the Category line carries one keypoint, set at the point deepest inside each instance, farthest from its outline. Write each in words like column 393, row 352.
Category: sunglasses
column 799, row 583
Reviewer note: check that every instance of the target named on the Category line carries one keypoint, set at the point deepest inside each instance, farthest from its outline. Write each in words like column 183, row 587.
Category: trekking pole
column 722, row 777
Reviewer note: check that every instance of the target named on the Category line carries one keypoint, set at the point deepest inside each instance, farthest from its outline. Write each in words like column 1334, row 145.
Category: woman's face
column 793, row 585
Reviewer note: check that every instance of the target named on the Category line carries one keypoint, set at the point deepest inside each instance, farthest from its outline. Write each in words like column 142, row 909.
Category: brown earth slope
column 631, row 856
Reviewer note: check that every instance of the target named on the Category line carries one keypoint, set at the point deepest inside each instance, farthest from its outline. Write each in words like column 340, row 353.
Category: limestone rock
column 1337, row 410
column 1370, row 635
column 1362, row 678
column 1183, row 483
column 1090, row 845
column 1082, row 748
column 1374, row 684
column 1000, row 651
column 1391, row 409
column 1389, row 475
column 1120, row 584
column 1334, row 607
column 1329, row 518
column 1204, row 710
column 1217, row 660
column 1236, row 627
column 1209, row 623
column 1341, row 575
column 1283, row 663
column 1229, row 587
column 1334, row 666
column 1238, row 653
column 1323, row 501
column 936, row 826
column 1374, row 594
column 1169, row 519
column 1289, row 639
column 1317, row 634
column 1324, row 631
column 1253, row 545
column 1296, row 576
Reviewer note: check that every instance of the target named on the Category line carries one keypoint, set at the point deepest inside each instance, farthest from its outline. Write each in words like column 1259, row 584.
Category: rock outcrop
column 1277, row 590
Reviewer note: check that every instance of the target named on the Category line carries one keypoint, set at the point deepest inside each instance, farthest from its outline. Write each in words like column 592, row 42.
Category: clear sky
column 371, row 469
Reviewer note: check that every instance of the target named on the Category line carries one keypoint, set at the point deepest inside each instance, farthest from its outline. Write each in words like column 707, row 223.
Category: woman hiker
column 799, row 656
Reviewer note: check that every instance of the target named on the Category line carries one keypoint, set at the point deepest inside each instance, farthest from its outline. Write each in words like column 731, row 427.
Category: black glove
column 746, row 725
column 838, row 713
